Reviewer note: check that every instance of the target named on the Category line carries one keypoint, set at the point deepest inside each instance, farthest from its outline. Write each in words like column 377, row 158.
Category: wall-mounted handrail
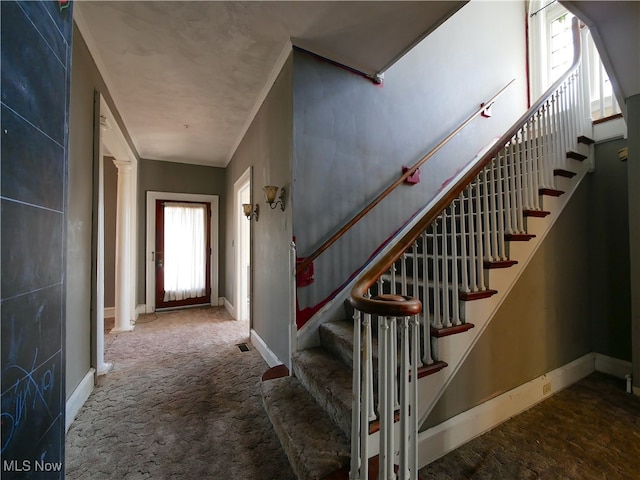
column 347, row 226
column 406, row 306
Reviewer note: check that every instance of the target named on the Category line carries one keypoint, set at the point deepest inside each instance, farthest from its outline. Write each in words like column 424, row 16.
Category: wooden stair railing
column 304, row 264
column 417, row 285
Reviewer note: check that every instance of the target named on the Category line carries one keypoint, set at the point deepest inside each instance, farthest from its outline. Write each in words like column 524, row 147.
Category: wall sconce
column 250, row 211
column 270, row 193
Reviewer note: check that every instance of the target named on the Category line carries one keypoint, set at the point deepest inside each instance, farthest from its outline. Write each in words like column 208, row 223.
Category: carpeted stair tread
column 337, row 338
column 329, row 381
column 314, row 444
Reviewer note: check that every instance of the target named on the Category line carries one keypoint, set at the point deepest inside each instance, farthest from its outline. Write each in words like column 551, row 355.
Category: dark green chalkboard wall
column 36, row 59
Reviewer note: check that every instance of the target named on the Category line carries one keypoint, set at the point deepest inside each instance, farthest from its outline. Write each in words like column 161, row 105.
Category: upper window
column 551, row 46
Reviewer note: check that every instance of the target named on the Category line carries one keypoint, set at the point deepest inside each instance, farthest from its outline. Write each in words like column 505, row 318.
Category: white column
column 101, row 366
column 123, row 320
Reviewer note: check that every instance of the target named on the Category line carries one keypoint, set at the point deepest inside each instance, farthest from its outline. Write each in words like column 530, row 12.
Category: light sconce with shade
column 270, row 192
column 250, row 211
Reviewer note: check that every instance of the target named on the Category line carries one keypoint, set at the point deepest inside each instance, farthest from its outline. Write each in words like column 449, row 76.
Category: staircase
column 351, row 405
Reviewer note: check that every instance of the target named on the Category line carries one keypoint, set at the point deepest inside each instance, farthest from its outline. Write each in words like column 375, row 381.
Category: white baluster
column 473, row 271
column 437, row 317
column 427, row 358
column 492, row 212
column 500, row 213
column 413, row 401
column 455, row 292
column 394, row 356
column 446, row 303
column 538, row 166
column 357, row 403
column 486, row 228
column 518, row 183
column 464, row 259
column 403, row 274
column 479, row 234
column 404, row 472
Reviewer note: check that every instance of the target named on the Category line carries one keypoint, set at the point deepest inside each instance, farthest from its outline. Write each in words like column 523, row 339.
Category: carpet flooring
column 183, row 402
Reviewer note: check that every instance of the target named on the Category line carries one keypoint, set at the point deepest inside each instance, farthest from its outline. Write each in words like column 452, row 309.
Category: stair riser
column 337, row 404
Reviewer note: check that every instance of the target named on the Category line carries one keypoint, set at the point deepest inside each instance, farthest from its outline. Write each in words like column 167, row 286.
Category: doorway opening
column 242, row 189
column 182, row 254
column 153, row 261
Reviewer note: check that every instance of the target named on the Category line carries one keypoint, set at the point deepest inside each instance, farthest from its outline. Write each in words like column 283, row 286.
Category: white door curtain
column 184, row 250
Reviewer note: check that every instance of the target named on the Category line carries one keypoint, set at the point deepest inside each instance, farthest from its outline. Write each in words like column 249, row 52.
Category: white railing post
column 357, row 403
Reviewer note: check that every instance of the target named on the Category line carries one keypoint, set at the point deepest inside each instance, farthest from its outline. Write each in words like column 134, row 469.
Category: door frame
column 243, row 182
column 108, row 137
column 150, row 263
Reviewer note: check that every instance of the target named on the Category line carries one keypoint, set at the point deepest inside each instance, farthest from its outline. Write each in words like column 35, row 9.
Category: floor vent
column 243, row 347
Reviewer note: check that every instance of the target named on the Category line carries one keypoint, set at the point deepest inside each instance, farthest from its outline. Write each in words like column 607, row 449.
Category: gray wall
column 633, row 165
column 35, row 72
column 610, row 302
column 80, row 268
column 267, row 148
column 110, row 204
column 543, row 323
column 174, row 177
column 351, row 137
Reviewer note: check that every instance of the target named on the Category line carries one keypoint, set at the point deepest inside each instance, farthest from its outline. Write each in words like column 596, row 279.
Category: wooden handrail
column 307, row 261
column 407, row 307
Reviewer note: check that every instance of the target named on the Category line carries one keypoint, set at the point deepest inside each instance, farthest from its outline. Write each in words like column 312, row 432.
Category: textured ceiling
column 187, row 77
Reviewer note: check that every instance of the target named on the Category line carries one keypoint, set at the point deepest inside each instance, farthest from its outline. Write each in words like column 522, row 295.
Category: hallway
column 181, row 402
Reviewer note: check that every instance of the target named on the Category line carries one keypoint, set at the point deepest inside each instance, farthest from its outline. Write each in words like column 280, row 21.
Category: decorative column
column 123, row 320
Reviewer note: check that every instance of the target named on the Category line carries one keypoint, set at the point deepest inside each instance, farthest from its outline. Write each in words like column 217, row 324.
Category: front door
column 183, row 253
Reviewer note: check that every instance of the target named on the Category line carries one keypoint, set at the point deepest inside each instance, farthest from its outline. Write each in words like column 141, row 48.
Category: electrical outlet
column 546, row 388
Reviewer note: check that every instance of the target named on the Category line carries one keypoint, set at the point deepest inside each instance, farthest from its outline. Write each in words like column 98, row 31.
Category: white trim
column 140, row 309
column 449, row 435
column 269, row 357
column 152, row 196
column 612, row 366
column 229, row 307
column 109, row 312
column 244, row 181
column 273, row 76
column 221, row 301
column 610, row 130
column 79, row 397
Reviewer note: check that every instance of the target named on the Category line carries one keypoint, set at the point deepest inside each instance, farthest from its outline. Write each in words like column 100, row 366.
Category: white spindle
column 404, row 472
column 454, row 266
column 357, row 402
column 427, row 357
column 479, row 249
column 473, row 272
column 500, row 207
column 446, row 302
column 437, row 317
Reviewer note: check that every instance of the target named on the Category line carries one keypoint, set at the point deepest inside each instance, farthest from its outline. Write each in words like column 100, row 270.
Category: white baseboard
column 449, row 435
column 109, row 312
column 612, row 366
column 78, row 397
column 221, row 301
column 142, row 308
column 229, row 308
column 269, row 357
